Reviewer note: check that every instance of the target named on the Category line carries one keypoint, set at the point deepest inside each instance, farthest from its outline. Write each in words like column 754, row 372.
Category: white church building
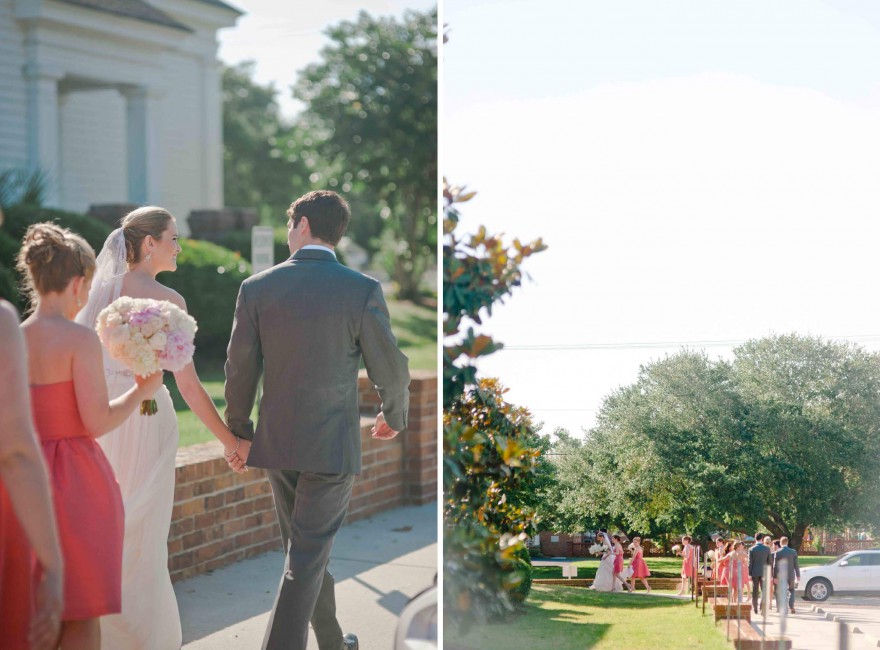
column 118, row 101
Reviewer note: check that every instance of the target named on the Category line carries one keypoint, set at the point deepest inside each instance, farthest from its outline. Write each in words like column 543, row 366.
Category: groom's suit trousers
column 311, row 508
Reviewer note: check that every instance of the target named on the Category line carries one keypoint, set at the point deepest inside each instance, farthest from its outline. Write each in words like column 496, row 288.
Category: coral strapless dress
column 16, row 579
column 88, row 504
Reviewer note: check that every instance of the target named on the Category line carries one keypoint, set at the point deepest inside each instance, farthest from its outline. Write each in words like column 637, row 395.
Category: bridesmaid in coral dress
column 687, row 564
column 638, row 565
column 70, row 408
column 30, row 591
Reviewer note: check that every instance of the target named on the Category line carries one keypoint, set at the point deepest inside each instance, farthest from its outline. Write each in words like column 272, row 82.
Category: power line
column 639, row 345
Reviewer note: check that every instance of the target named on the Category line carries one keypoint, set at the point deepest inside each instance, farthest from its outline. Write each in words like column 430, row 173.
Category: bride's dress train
column 142, row 453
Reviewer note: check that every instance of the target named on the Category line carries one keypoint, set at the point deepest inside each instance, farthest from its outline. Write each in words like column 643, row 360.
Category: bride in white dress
column 142, row 450
column 604, row 580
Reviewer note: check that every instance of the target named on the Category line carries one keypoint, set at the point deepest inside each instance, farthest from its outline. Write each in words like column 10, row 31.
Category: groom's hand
column 381, row 430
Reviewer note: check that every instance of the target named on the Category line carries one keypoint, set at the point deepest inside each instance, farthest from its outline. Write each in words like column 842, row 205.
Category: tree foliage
column 490, row 448
column 260, row 168
column 784, row 437
column 372, row 116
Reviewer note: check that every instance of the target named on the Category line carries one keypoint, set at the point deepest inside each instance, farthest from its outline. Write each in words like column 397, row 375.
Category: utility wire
column 552, row 347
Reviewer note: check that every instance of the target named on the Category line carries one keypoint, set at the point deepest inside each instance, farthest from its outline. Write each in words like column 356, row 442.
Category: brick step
column 745, row 637
column 722, row 610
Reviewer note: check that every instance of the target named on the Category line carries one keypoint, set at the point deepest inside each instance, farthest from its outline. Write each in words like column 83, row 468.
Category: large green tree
column 785, row 436
column 260, row 168
column 371, row 114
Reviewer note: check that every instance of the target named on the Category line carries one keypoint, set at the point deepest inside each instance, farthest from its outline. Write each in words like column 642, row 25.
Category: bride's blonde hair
column 138, row 224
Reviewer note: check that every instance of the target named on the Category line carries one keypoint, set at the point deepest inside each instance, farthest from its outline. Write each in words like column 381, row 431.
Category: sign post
column 262, row 248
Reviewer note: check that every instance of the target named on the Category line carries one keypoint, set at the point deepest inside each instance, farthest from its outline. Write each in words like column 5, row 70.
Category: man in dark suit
column 305, row 325
column 759, row 558
column 786, row 560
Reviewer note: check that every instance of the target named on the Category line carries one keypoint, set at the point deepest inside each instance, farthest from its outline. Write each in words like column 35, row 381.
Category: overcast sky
column 284, row 37
column 703, row 171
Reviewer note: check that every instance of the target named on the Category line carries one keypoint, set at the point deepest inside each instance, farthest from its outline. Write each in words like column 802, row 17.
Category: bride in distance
column 604, row 580
column 142, row 450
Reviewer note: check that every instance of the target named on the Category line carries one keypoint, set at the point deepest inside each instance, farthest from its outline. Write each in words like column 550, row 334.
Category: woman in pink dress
column 722, row 562
column 638, row 565
column 737, row 570
column 31, row 592
column 687, row 564
column 70, row 408
column 617, row 551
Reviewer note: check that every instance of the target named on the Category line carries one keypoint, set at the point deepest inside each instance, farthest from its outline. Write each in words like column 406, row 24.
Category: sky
column 703, row 172
column 284, row 37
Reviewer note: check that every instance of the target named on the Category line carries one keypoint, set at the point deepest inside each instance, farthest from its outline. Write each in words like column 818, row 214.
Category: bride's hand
column 150, row 383
column 238, row 461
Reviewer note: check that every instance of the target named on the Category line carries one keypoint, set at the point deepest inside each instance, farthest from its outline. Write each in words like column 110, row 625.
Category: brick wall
column 221, row 517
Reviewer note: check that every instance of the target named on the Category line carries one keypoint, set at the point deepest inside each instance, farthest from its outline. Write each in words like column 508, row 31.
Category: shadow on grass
column 586, row 617
column 415, row 328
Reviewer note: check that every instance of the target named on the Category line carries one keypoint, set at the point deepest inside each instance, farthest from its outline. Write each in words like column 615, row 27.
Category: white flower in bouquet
column 710, row 555
column 597, row 549
column 147, row 336
column 676, row 549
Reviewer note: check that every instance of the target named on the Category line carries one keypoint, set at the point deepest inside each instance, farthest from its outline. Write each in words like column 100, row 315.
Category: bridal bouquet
column 147, row 336
column 597, row 549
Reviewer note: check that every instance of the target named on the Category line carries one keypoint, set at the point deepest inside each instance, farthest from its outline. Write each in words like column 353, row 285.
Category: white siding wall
column 181, row 148
column 13, row 97
column 93, row 149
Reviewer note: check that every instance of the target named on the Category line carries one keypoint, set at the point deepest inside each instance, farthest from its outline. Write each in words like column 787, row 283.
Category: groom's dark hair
column 327, row 212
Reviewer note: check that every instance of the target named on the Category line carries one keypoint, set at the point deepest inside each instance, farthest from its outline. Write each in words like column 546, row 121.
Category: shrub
column 524, row 568
column 19, row 217
column 9, row 286
column 208, row 277
column 8, row 249
column 239, row 241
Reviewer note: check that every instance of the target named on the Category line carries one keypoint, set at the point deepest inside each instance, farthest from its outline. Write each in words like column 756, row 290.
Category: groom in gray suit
column 305, row 325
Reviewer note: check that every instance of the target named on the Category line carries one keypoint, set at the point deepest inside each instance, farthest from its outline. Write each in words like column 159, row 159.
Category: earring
column 148, row 257
column 79, row 302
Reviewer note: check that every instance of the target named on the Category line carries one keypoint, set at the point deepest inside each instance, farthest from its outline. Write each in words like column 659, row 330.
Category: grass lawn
column 570, row 617
column 416, row 330
column 661, row 567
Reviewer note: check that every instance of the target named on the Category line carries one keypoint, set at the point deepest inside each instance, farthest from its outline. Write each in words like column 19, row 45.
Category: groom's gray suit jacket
column 305, row 324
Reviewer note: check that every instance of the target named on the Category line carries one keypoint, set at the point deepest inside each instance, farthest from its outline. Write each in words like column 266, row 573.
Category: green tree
column 784, row 437
column 490, row 449
column 259, row 167
column 371, row 114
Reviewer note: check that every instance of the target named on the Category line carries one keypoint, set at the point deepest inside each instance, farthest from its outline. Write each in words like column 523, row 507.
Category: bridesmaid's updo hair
column 137, row 224
column 50, row 257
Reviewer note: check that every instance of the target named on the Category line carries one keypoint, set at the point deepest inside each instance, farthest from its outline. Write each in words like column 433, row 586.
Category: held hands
column 46, row 623
column 381, row 430
column 236, row 458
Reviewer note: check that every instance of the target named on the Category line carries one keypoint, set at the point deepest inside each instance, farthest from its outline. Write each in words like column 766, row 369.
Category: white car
column 853, row 572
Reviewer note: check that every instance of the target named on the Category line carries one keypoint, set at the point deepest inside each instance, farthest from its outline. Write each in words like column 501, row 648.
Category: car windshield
column 839, row 558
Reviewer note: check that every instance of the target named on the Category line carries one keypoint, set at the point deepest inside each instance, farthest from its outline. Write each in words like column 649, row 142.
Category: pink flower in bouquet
column 147, row 335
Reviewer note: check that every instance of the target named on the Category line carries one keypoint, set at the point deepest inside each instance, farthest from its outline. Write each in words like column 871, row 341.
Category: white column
column 212, row 134
column 44, row 120
column 142, row 145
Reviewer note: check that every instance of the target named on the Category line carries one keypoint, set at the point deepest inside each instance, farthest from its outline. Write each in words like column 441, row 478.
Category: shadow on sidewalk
column 397, row 547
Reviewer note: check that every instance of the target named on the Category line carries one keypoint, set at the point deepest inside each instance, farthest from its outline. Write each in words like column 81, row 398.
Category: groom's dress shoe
column 350, row 642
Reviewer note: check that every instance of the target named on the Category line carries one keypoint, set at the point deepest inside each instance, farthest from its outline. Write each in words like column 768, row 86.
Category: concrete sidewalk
column 809, row 629
column 379, row 564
